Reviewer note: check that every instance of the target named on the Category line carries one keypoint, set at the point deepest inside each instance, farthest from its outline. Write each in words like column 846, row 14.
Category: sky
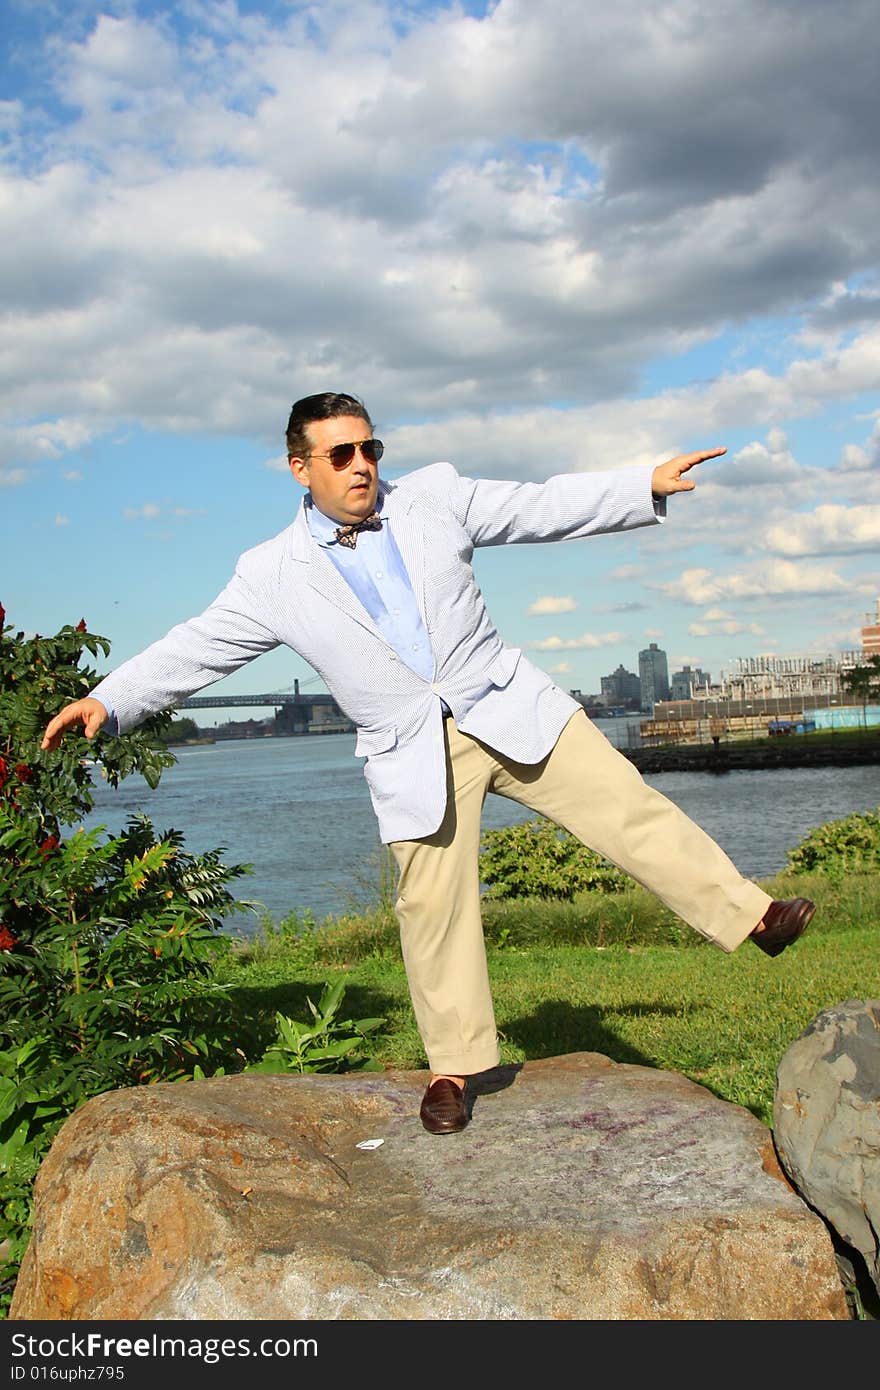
column 535, row 237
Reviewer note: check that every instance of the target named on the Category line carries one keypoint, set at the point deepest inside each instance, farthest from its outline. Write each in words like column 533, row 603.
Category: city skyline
column 533, row 239
column 609, row 693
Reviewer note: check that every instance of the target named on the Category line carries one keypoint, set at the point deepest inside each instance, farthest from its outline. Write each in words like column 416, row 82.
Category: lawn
column 615, row 974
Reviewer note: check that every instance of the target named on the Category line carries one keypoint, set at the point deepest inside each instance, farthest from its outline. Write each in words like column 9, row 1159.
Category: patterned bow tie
column 348, row 535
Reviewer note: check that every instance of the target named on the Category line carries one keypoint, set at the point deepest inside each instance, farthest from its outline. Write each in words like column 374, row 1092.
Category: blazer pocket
column 372, row 741
column 501, row 668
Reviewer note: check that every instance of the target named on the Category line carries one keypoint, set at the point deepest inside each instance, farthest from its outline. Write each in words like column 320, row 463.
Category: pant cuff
column 752, row 909
column 465, row 1063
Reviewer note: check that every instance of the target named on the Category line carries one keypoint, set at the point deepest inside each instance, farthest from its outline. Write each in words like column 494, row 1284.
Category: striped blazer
column 288, row 591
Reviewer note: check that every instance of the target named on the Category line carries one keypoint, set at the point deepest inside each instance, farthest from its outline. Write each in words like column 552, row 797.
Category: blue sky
column 535, row 237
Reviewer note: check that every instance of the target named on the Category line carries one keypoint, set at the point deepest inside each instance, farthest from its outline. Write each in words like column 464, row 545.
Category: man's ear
column 300, row 470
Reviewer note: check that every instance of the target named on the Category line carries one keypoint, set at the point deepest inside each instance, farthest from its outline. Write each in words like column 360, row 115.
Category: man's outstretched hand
column 668, row 477
column 88, row 712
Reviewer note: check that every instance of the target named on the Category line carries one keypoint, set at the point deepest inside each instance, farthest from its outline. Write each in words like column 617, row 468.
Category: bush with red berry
column 109, row 943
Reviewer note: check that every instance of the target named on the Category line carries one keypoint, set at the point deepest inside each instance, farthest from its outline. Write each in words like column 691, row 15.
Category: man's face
column 348, row 493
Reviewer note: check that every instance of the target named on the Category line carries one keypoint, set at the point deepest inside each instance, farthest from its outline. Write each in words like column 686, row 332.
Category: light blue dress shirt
column 375, row 572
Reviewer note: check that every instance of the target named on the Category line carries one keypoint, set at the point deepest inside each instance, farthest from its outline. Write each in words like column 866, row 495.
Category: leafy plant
column 840, row 846
column 108, row 944
column 536, row 859
column 327, row 1043
column 40, row 675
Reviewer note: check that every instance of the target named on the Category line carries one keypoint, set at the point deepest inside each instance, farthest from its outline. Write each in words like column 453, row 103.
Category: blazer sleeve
column 227, row 635
column 565, row 507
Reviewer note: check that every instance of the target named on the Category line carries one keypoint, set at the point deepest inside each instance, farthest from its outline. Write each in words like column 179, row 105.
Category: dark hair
column 329, row 405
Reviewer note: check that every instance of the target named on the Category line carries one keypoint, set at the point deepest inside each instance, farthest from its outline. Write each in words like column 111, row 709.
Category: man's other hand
column 88, row 712
column 668, row 477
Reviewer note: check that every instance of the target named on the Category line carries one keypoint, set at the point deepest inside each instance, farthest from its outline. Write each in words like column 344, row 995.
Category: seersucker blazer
column 288, row 591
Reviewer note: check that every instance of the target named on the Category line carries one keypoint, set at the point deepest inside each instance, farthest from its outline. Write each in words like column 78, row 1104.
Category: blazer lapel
column 408, row 529
column 324, row 577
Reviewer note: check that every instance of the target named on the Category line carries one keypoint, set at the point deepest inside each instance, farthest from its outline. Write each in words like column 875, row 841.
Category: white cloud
column 760, row 465
column 24, row 446
column 644, row 430
column 625, row 606
column 829, row 530
column 569, row 644
column 502, row 212
column 627, row 572
column 776, row 579
column 152, row 511
column 61, row 520
column 550, row 605
column 718, row 620
column 854, row 459
column 729, row 628
column 857, row 458
column 561, row 668
column 148, row 512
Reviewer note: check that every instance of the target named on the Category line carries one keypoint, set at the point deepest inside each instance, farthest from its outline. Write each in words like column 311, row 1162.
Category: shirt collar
column 323, row 527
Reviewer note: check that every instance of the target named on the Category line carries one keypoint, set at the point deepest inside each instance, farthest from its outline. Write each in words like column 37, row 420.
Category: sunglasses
column 341, row 455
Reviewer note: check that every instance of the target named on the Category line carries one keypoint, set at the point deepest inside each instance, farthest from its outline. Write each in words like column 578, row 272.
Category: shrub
column 840, row 846
column 536, row 859
column 107, row 944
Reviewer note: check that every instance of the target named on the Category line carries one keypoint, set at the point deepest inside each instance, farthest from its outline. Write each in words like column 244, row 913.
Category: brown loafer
column 783, row 923
column 444, row 1109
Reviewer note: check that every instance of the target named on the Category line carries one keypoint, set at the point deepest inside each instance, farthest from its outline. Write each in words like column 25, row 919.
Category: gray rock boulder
column 582, row 1189
column 826, row 1121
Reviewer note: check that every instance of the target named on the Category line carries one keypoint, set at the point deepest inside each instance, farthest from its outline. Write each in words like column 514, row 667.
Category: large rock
column 581, row 1189
column 826, row 1119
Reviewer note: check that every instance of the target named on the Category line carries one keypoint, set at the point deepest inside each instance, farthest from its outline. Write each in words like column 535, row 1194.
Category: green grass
column 616, row 974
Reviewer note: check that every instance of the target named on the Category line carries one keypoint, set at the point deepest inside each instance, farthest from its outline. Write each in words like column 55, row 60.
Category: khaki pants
column 591, row 790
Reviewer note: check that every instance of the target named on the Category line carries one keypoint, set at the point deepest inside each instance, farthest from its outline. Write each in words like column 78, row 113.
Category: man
column 372, row 584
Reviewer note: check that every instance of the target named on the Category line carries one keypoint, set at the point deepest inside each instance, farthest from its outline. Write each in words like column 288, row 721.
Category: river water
column 298, row 810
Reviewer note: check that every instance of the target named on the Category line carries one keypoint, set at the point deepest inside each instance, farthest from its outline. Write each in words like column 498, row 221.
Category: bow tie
column 348, row 535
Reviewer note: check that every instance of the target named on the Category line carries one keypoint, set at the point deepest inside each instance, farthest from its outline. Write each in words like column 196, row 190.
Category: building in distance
column 684, row 683
column 653, row 677
column 621, row 690
column 871, row 633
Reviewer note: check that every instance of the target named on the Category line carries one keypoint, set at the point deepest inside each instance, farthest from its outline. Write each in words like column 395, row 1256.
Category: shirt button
column 378, row 574
column 415, row 646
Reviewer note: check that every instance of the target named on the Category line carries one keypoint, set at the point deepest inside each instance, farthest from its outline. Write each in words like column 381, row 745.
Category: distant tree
column 864, row 683
column 179, row 730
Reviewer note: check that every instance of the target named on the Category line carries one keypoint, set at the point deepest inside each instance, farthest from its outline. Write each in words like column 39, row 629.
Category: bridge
column 282, row 697
column 295, row 713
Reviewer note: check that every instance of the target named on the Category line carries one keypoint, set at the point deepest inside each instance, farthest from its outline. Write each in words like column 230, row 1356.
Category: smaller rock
column 826, row 1122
